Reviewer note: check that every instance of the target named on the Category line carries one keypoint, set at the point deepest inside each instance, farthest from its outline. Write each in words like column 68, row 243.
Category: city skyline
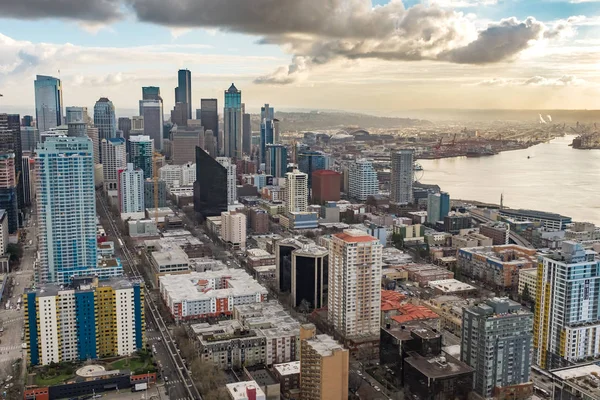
column 294, row 61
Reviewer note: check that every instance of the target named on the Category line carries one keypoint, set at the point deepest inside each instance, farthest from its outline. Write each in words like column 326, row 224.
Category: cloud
column 463, row 3
column 80, row 10
column 565, row 80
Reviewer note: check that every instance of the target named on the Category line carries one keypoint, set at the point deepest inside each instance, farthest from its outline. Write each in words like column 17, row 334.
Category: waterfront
column 556, row 178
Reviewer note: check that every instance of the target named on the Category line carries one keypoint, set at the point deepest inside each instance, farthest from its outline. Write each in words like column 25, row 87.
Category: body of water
column 556, row 178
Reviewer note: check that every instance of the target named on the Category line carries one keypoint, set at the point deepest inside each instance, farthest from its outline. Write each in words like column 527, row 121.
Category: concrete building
column 231, row 179
column 131, row 190
column 471, row 239
column 149, row 189
column 183, row 144
column 296, row 192
column 325, row 186
column 567, row 306
column 92, row 133
column 438, row 207
column 114, row 159
column 310, row 276
column 85, row 320
column 454, row 222
column 324, row 366
column 258, row 221
column 547, row 220
column 354, row 285
column 152, row 110
column 499, row 232
column 233, row 229
column 248, row 390
column 411, row 234
column 141, row 151
column 423, row 274
column 497, row 343
column 576, row 382
column 362, row 180
column 178, row 175
column 528, row 279
column 169, row 259
column 401, row 181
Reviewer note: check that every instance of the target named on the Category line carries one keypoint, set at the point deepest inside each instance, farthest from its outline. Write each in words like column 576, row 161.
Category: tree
column 15, row 252
column 354, row 383
column 526, row 295
column 397, row 240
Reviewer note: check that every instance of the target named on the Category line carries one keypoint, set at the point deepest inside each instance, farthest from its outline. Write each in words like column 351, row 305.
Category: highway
column 515, row 237
column 180, row 385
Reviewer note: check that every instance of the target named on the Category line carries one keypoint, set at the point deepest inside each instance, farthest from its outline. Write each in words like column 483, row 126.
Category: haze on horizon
column 379, row 57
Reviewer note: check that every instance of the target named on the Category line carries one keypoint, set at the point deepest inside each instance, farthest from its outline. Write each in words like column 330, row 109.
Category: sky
column 379, row 57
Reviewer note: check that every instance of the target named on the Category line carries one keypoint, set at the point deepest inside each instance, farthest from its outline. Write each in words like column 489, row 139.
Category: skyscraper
column 247, row 134
column 438, row 206
column 27, row 177
column 210, row 188
column 29, row 138
column 311, row 161
column 154, row 121
column 232, row 115
column 141, row 152
column 179, row 115
column 497, row 343
column 131, row 189
column 325, row 186
column 48, row 102
column 276, row 160
column 269, row 131
column 149, row 93
column 105, row 120
column 125, row 127
column 27, row 120
column 183, row 145
column 567, row 307
column 183, row 92
column 309, row 276
column 10, row 141
column 66, row 211
column 210, row 143
column 92, row 133
column 362, row 180
column 296, row 191
column 115, row 159
column 76, row 114
column 8, row 190
column 209, row 116
column 354, row 287
column 231, row 178
column 401, row 181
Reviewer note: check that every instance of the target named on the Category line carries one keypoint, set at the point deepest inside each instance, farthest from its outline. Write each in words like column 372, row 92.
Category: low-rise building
column 452, row 286
column 528, row 278
column 259, row 257
column 258, row 221
column 248, row 390
column 470, row 239
column 411, row 234
column 450, row 309
column 499, row 232
column 288, row 376
column 454, row 222
column 425, row 273
column 169, row 259
column 143, row 228
column 577, row 382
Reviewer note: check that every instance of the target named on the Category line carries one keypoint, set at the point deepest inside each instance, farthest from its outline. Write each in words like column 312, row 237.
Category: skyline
column 314, row 57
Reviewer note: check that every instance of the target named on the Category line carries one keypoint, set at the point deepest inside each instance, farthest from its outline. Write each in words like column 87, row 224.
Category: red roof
column 325, row 172
column 411, row 312
column 355, row 239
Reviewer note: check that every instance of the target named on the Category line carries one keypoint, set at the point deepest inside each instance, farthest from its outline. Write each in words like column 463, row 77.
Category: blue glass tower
column 276, row 160
column 310, row 161
column 48, row 102
column 104, row 119
column 183, row 92
column 232, row 116
column 268, row 130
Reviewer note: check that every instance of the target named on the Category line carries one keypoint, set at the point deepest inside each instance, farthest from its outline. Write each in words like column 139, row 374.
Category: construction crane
column 155, row 157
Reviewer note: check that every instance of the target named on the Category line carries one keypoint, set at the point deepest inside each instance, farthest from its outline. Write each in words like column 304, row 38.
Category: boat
column 418, row 167
column 481, row 152
column 528, row 157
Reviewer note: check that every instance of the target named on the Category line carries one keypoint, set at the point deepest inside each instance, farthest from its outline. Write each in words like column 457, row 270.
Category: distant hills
column 558, row 116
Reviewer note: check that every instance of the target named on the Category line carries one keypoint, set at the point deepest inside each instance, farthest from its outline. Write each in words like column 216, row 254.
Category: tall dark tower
column 183, row 92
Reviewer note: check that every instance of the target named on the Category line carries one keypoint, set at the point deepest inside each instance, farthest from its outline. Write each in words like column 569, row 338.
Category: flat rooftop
column 437, row 367
column 451, row 285
column 585, row 378
column 324, row 345
column 290, row 368
column 170, row 255
column 262, row 376
column 239, row 390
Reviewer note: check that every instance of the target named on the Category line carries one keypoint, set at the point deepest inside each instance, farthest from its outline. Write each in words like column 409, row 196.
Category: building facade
column 310, row 276
column 48, row 102
column 269, row 131
column 276, row 160
column 105, row 119
column 183, row 92
column 296, row 191
column 141, row 154
column 115, row 158
column 231, row 178
column 131, row 190
column 154, row 121
column 326, row 185
column 310, row 161
column 401, row 181
column 362, row 180
column 210, row 188
column 233, row 229
column 209, row 116
column 438, row 206
column 232, row 116
column 178, row 175
column 183, row 145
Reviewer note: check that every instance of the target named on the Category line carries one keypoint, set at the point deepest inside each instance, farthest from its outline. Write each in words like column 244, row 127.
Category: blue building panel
column 86, row 325
column 34, row 348
column 137, row 299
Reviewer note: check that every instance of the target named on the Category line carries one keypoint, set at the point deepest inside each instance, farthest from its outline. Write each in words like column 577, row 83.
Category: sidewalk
column 154, row 392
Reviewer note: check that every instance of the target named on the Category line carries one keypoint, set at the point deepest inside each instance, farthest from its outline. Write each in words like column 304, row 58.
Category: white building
column 248, row 390
column 178, row 175
column 114, row 158
column 296, row 191
column 401, row 182
column 362, row 180
column 131, row 190
column 354, row 288
column 528, row 277
column 231, row 178
column 233, row 229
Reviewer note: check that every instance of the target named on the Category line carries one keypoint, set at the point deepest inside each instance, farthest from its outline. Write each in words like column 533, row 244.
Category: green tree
column 397, row 240
column 15, row 252
column 526, row 295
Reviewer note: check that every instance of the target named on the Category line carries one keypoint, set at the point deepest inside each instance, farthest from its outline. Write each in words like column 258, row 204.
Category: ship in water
column 480, row 152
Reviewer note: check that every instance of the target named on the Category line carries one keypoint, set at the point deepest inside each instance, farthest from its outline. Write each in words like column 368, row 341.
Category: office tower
column 66, row 211
column 27, row 120
column 269, row 131
column 438, row 206
column 115, row 159
column 231, row 179
column 309, row 276
column 258, row 219
column 311, row 161
column 199, row 114
column 210, row 143
column 362, row 180
column 131, row 189
column 354, row 287
column 10, row 141
column 85, row 320
column 76, row 129
column 183, row 145
column 149, row 193
column 27, row 162
column 567, row 307
column 179, row 115
column 183, row 92
column 247, row 134
column 401, row 182
column 105, row 120
column 209, row 116
column 324, row 366
column 276, row 160
column 29, row 138
column 149, row 93
column 325, row 186
column 92, row 133
column 210, row 188
column 137, row 125
column 8, row 190
column 76, row 114
column 497, row 343
column 296, row 192
column 124, row 125
column 283, row 262
column 141, row 153
column 153, row 121
column 178, row 175
column 233, row 229
column 232, row 116
column 48, row 102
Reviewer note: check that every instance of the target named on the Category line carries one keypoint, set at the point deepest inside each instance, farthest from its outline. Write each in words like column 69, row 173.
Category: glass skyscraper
column 276, row 160
column 401, row 184
column 209, row 116
column 210, row 188
column 48, row 102
column 66, row 207
column 233, row 123
column 269, row 130
column 141, row 149
column 183, row 92
column 310, row 161
column 104, row 119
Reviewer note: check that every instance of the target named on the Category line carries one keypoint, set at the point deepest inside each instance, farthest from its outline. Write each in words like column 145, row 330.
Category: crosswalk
column 4, row 349
column 10, row 321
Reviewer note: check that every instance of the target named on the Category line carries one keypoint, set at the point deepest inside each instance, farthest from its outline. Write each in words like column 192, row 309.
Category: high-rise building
column 115, row 159
column 179, row 115
column 8, row 190
column 131, row 189
column 567, row 307
column 183, row 144
column 233, row 229
column 10, row 141
column 27, row 120
column 29, row 138
column 27, row 177
column 354, row 287
column 325, row 186
column 311, row 161
column 141, row 152
column 209, row 116
column 124, row 125
column 105, row 119
column 324, row 366
column 296, row 192
column 149, row 93
column 137, row 125
column 401, row 181
column 438, row 207
column 310, row 276
column 77, row 114
column 232, row 115
column 269, row 131
column 154, row 121
column 247, row 134
column 178, row 175
column 149, row 190
column 66, row 211
column 183, row 92
column 210, row 143
column 48, row 102
column 92, row 133
column 84, row 320
column 276, row 160
column 231, row 178
column 362, row 180
column 497, row 343
column 210, row 188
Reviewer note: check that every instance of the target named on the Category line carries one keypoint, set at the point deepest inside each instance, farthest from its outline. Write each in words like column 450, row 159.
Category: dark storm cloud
column 81, row 10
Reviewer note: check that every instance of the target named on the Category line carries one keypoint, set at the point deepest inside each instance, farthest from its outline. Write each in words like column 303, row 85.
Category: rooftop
column 84, row 283
column 262, row 376
column 289, row 368
column 390, row 300
column 268, row 318
column 170, row 255
column 325, row 345
column 534, row 214
column 586, row 378
column 258, row 254
column 355, row 236
column 239, row 390
column 451, row 285
column 437, row 367
column 411, row 312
